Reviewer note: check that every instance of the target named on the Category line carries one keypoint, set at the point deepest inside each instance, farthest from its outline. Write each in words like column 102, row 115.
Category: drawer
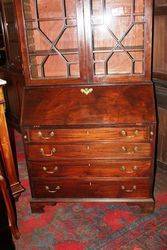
column 88, row 151
column 78, row 188
column 96, row 168
column 128, row 134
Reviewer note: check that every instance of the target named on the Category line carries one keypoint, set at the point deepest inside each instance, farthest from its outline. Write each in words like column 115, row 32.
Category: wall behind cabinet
column 160, row 75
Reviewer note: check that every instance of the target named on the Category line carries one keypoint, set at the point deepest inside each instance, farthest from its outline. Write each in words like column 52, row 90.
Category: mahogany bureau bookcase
column 88, row 114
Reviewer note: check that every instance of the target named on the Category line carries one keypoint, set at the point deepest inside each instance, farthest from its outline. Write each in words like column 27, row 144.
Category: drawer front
column 128, row 134
column 89, row 151
column 96, row 168
column 73, row 188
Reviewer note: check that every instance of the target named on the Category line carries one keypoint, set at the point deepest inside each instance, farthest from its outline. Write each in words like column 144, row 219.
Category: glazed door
column 11, row 34
column 2, row 41
column 119, row 39
column 55, row 41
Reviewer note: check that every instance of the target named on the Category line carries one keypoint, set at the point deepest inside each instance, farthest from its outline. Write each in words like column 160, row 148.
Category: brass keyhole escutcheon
column 86, row 91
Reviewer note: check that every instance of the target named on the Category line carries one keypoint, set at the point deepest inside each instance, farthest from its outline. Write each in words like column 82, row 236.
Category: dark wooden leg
column 38, row 207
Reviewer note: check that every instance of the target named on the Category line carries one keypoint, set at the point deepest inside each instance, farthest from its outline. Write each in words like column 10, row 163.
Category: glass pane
column 135, row 36
column 55, row 65
column 2, row 43
column 118, row 7
column 74, row 69
column 37, row 41
column 36, row 69
column 12, row 37
column 139, row 6
column 138, row 69
column 50, row 9
column 51, row 28
column 29, row 9
column 99, row 68
column 67, row 39
column 118, row 25
column 118, row 36
column 70, row 8
column 102, row 38
column 97, row 7
column 119, row 63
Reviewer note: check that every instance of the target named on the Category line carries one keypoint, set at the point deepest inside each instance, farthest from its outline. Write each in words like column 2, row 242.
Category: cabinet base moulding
column 146, row 205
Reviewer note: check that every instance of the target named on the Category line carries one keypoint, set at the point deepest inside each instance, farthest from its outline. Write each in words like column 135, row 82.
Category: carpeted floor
column 91, row 226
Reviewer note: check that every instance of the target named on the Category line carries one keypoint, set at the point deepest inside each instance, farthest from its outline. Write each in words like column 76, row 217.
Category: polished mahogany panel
column 93, row 105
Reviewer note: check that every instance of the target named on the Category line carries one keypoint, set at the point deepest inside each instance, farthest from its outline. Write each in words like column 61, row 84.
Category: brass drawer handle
column 52, row 191
column 129, row 190
column 136, row 149
column 126, row 150
column 51, row 134
column 86, row 91
column 125, row 134
column 134, row 169
column 136, row 132
column 53, row 151
column 50, row 172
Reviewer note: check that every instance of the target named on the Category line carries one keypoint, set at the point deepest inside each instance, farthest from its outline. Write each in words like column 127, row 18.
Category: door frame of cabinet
column 24, row 48
column 147, row 45
column 85, row 48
